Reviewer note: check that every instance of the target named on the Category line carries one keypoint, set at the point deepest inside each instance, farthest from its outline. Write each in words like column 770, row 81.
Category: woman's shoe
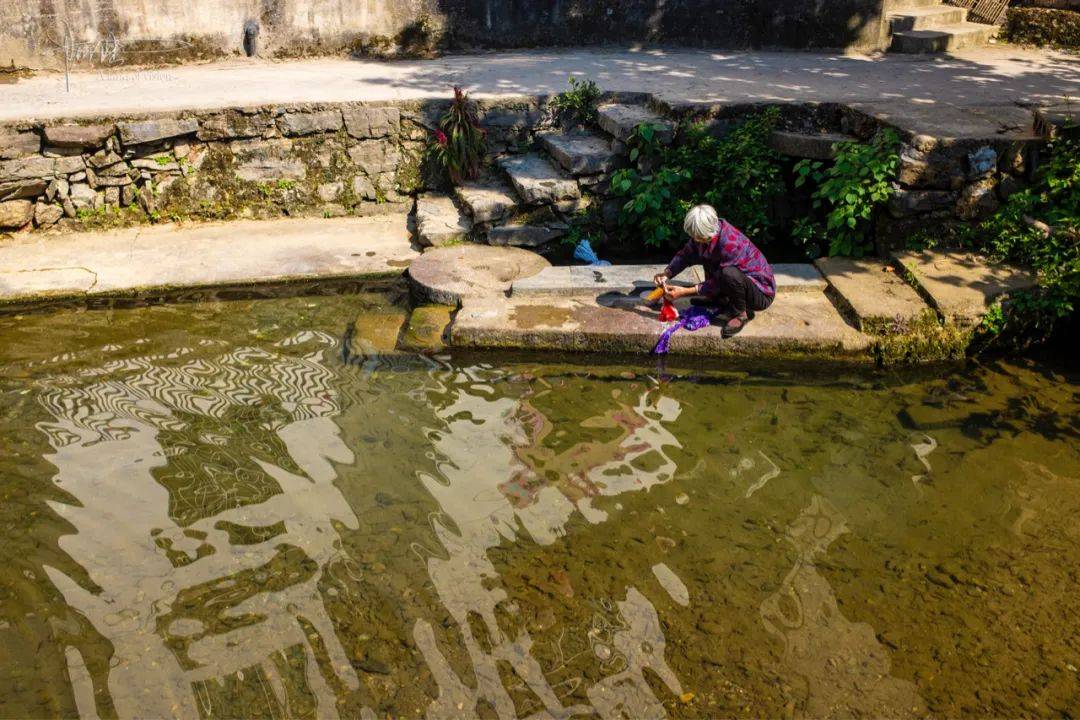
column 734, row 326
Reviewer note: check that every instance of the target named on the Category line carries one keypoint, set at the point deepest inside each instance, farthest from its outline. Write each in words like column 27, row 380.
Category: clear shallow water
column 237, row 509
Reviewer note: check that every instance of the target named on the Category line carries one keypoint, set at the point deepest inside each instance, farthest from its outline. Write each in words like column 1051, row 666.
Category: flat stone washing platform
column 797, row 324
column 166, row 257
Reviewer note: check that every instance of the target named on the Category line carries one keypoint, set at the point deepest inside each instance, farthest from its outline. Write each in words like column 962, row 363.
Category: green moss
column 921, row 341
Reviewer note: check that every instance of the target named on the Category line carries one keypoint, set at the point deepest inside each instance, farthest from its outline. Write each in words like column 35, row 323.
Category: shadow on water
column 207, row 509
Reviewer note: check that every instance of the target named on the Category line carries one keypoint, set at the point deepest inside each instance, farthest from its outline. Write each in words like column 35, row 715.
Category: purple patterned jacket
column 728, row 248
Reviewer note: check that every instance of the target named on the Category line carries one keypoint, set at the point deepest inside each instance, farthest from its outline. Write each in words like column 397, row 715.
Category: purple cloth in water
column 693, row 319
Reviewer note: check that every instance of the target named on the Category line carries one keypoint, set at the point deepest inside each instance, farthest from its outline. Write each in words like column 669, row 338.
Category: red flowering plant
column 459, row 141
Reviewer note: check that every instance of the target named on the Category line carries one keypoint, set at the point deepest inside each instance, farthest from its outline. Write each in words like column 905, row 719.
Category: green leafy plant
column 460, row 142
column 1039, row 228
column 739, row 174
column 579, row 102
column 848, row 192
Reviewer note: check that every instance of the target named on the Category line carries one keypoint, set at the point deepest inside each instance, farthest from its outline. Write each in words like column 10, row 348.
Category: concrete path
column 989, row 76
column 205, row 255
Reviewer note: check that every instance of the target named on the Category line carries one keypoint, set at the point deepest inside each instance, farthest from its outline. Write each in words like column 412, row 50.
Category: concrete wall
column 35, row 33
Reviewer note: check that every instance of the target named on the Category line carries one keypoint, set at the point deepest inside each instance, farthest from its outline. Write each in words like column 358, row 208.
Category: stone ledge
column 877, row 298
column 167, row 257
column 585, row 279
column 961, row 285
column 797, row 325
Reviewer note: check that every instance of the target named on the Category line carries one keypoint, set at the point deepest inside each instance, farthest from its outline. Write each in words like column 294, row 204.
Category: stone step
column 961, row 286
column 439, row 221
column 582, row 153
column 163, row 258
column 934, row 16
column 527, row 235
column 797, row 325
column 538, row 182
column 627, row 279
column 876, row 297
column 943, row 39
column 449, row 275
column 620, row 121
column 816, row 146
column 487, row 200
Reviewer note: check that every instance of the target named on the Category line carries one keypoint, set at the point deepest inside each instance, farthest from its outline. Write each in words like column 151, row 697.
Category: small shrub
column 1043, row 27
column 460, row 142
column 579, row 102
column 848, row 192
column 738, row 174
column 1039, row 228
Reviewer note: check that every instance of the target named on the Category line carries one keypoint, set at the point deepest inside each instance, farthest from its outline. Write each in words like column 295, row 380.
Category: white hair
column 701, row 222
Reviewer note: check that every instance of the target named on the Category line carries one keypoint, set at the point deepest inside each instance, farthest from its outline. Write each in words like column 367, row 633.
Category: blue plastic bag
column 587, row 255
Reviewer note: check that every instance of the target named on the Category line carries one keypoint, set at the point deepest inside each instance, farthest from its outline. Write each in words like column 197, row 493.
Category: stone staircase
column 527, row 199
column 929, row 26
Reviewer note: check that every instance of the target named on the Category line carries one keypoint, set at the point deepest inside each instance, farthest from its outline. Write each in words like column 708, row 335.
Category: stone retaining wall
column 362, row 159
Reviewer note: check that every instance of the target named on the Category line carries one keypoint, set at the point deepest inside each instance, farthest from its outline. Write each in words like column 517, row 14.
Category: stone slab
column 487, row 200
column 439, row 222
column 817, row 146
column 961, row 285
column 620, row 121
column 584, row 279
column 797, row 325
column 876, row 295
column 528, row 236
column 537, row 181
column 138, row 260
column 427, row 328
column 448, row 275
column 581, row 153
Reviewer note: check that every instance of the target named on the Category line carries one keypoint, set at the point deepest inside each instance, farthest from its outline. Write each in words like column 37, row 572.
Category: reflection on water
column 210, row 511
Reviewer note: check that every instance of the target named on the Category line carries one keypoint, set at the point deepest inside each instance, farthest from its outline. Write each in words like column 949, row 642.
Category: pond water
column 241, row 509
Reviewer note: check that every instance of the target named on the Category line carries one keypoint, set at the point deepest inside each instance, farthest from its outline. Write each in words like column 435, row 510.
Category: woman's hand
column 674, row 293
column 660, row 279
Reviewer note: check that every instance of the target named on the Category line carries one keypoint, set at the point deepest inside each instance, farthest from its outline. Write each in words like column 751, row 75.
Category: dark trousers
column 739, row 292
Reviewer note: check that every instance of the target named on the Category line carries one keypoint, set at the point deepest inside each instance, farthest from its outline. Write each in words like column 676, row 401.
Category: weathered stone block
column 877, row 297
column 147, row 131
column 375, row 157
column 47, row 215
column 581, row 153
column 233, row 126
column 309, row 123
column 69, row 165
column 427, row 327
column 78, row 136
column 816, row 146
column 18, row 144
column 977, row 200
column 263, row 169
column 82, row 196
column 447, row 275
column 905, row 203
column 537, row 181
column 29, row 168
column 487, row 200
column 621, row 121
column 22, row 189
column 439, row 221
column 942, row 175
column 329, row 192
column 104, row 159
column 372, row 123
column 15, row 214
column 363, row 188
column 529, row 236
column 112, row 196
